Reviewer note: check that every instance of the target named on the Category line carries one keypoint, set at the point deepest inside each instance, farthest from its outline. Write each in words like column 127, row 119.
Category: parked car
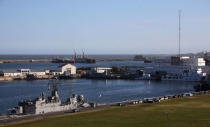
column 148, row 100
column 170, row 96
column 156, row 99
column 188, row 94
column 161, row 98
column 76, row 110
column 165, row 98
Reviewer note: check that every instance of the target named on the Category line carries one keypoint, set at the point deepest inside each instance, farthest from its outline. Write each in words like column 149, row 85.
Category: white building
column 102, row 69
column 23, row 72
column 187, row 61
column 11, row 73
column 68, row 69
column 99, row 70
column 38, row 73
column 200, row 62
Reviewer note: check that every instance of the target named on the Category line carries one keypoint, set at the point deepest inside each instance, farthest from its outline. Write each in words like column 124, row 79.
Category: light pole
column 167, row 116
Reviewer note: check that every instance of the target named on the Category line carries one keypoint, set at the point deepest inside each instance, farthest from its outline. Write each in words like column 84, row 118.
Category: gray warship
column 44, row 104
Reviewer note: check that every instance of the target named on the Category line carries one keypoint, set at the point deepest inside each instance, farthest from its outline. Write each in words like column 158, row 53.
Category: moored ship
column 76, row 59
column 44, row 104
column 194, row 75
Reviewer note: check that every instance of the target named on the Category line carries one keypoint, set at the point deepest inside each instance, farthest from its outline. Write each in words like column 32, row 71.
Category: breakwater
column 25, row 60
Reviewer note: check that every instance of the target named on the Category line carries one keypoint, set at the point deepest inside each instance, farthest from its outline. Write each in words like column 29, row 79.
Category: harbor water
column 103, row 91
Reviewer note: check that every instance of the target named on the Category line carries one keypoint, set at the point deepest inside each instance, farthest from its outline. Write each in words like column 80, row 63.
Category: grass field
column 185, row 112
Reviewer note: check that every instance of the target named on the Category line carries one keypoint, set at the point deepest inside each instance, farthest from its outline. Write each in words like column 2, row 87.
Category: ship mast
column 83, row 54
column 75, row 54
column 52, row 86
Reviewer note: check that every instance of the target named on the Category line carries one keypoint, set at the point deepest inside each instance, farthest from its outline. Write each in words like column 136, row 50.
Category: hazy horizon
column 103, row 27
column 100, row 54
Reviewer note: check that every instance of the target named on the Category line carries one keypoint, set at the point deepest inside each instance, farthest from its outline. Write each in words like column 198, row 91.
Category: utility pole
column 179, row 33
column 167, row 116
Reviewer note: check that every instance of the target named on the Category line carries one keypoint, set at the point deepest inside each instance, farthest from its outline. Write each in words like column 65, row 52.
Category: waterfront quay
column 140, row 71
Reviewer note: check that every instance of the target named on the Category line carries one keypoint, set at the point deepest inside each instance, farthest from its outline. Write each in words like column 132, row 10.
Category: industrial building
column 23, row 72
column 188, row 61
column 68, row 69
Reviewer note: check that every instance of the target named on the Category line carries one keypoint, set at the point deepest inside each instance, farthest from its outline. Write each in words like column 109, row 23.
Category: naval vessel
column 46, row 104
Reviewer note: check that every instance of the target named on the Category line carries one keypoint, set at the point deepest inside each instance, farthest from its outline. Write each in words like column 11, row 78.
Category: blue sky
column 103, row 26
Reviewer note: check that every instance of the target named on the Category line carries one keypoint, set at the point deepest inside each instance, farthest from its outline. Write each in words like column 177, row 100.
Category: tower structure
column 179, row 33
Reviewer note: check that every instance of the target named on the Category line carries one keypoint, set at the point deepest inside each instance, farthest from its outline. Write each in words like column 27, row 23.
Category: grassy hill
column 184, row 112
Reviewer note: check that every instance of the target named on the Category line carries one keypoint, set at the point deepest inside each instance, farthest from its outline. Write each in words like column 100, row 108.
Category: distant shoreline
column 50, row 60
